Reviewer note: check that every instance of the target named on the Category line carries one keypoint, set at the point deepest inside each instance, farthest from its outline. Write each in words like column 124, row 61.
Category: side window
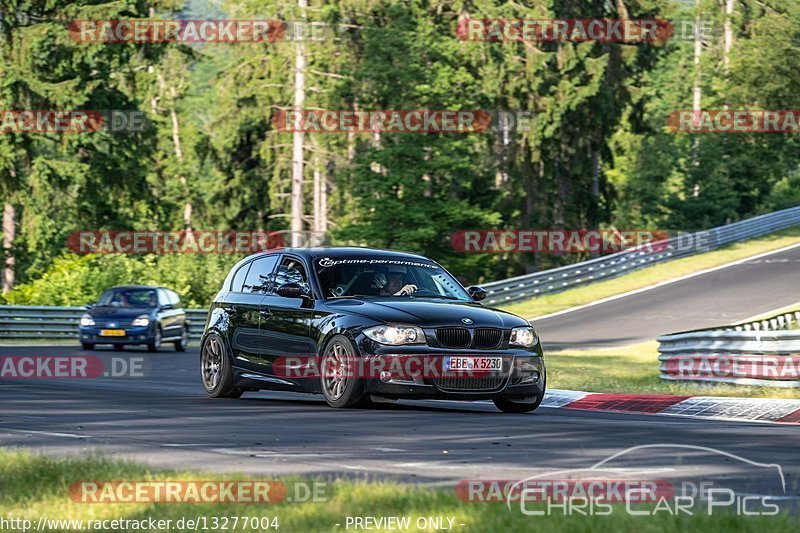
column 239, row 277
column 258, row 276
column 163, row 298
column 290, row 271
column 174, row 298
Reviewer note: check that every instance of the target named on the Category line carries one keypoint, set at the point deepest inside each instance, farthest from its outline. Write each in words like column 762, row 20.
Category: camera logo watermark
column 594, row 491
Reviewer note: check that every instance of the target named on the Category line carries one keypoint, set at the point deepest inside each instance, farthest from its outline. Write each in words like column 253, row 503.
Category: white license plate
column 472, row 364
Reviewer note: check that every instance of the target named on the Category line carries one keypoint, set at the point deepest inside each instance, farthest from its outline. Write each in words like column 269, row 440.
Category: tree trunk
column 176, row 142
column 697, row 90
column 9, row 234
column 297, row 140
column 728, row 34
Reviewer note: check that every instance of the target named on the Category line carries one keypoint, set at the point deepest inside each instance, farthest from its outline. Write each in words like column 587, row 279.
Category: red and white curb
column 707, row 407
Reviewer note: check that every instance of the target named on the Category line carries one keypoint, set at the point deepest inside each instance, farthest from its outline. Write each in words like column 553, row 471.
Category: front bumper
column 133, row 335
column 523, row 375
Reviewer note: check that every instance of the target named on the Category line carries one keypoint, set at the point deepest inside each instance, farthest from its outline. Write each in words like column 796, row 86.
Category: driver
column 396, row 282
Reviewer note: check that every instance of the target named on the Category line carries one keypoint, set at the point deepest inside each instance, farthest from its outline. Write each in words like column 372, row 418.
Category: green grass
column 34, row 485
column 634, row 369
column 552, row 303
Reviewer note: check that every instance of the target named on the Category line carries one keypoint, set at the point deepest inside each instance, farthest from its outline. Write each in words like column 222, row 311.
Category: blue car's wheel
column 155, row 343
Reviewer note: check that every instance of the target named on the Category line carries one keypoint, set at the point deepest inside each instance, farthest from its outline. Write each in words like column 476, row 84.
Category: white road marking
column 51, row 433
column 661, row 284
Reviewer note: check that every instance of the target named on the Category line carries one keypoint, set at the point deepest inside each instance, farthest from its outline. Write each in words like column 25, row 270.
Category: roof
column 349, row 251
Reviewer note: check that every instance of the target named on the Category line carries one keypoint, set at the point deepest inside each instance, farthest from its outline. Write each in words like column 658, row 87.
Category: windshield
column 350, row 277
column 129, row 298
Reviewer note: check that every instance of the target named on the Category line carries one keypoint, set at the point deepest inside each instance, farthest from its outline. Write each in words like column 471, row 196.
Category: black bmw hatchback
column 359, row 325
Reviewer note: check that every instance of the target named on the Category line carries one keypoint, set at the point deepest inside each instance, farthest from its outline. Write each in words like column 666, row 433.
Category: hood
column 428, row 313
column 119, row 313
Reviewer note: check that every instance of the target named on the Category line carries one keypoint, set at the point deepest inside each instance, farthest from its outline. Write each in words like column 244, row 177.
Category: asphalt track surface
column 164, row 419
column 716, row 298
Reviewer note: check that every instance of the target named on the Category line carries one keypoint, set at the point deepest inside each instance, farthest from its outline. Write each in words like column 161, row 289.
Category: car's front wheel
column 155, row 342
column 215, row 368
column 340, row 383
column 517, row 406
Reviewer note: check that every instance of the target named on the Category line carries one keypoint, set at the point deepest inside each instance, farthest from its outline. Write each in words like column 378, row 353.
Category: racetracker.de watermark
column 565, row 30
column 71, row 121
column 411, row 368
column 72, row 367
column 129, row 491
column 734, row 121
column 776, row 367
column 188, row 242
column 197, row 31
column 556, row 241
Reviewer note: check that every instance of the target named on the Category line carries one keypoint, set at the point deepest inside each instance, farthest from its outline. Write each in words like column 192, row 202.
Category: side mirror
column 291, row 290
column 476, row 293
column 88, row 306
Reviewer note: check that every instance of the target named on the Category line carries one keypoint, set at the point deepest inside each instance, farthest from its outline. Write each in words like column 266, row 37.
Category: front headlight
column 396, row 335
column 87, row 320
column 142, row 320
column 523, row 336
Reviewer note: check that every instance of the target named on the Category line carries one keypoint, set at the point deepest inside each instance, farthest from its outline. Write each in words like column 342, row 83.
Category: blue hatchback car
column 135, row 314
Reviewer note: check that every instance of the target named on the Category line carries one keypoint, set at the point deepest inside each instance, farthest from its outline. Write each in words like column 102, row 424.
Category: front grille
column 487, row 338
column 453, row 337
column 491, row 381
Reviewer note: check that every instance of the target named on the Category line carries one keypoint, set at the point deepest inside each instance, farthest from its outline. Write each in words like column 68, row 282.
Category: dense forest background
column 599, row 154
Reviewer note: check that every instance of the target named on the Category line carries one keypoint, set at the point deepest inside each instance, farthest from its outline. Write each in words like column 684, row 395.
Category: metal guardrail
column 48, row 322
column 31, row 322
column 758, row 353
column 617, row 264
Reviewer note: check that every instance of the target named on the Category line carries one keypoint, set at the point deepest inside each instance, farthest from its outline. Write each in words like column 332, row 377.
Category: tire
column 87, row 346
column 341, row 390
column 180, row 346
column 507, row 406
column 118, row 347
column 215, row 369
column 155, row 344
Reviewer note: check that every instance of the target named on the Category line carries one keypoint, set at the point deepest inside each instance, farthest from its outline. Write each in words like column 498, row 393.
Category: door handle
column 265, row 313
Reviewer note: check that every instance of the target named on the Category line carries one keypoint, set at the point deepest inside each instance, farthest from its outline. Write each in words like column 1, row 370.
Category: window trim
column 311, row 279
column 249, row 265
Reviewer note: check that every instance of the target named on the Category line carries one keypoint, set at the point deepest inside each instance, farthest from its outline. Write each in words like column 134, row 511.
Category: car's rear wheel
column 180, row 346
column 216, row 370
column 516, row 406
column 155, row 343
column 87, row 346
column 340, row 384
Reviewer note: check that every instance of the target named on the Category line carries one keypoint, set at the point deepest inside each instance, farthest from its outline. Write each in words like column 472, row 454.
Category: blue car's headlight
column 87, row 320
column 523, row 336
column 395, row 335
column 141, row 320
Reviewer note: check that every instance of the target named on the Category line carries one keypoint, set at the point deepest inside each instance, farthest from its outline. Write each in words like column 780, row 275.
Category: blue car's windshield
column 129, row 298
column 356, row 277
